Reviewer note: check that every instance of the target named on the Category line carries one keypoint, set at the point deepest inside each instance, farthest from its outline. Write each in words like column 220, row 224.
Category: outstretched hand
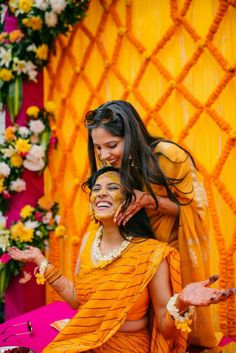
column 199, row 294
column 139, row 201
column 32, row 254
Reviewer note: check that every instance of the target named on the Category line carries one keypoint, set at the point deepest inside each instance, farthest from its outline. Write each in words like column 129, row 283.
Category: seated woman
column 127, row 290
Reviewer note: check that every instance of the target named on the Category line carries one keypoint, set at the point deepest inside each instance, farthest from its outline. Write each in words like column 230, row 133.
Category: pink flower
column 53, row 141
column 38, row 216
column 6, row 194
column 5, row 258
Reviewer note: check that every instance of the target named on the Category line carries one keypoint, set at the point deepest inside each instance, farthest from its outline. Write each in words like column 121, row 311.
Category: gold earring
column 91, row 213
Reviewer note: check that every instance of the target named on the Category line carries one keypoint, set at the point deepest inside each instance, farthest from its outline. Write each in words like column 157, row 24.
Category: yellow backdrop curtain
column 175, row 61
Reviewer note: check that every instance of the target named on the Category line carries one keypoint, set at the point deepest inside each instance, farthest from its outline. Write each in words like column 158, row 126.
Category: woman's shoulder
column 171, row 150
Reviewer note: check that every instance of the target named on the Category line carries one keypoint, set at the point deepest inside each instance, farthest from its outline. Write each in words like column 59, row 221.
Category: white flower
column 32, row 47
column 4, row 240
column 35, row 158
column 58, row 5
column 8, row 152
column 47, row 217
column 41, row 4
column 3, row 10
column 36, row 152
column 18, row 185
column 4, row 170
column 36, row 126
column 23, row 131
column 51, row 19
column 38, row 233
column 57, row 219
column 19, row 66
column 31, row 71
column 5, row 56
column 31, row 224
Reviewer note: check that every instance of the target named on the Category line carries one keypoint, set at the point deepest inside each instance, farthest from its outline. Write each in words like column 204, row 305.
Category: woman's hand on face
column 198, row 294
column 32, row 254
column 139, row 201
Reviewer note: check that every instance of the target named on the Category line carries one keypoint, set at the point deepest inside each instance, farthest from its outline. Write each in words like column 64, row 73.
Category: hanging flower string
column 33, row 228
column 25, row 51
column 25, row 147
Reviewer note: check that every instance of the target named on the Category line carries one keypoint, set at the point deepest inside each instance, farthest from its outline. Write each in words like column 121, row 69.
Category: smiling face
column 108, row 147
column 106, row 196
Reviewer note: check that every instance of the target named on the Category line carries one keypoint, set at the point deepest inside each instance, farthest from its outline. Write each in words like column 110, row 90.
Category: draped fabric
column 108, row 294
column 190, row 233
column 174, row 60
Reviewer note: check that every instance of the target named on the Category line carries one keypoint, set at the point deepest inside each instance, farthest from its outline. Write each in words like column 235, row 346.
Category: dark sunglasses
column 92, row 116
column 28, row 332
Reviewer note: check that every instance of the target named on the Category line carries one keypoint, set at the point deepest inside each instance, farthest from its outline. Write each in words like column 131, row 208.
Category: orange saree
column 108, row 294
column 190, row 232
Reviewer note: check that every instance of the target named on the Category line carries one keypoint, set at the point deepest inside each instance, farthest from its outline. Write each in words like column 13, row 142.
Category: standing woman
column 161, row 177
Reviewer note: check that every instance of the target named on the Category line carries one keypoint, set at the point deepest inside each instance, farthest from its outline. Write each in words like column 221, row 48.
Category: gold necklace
column 103, row 260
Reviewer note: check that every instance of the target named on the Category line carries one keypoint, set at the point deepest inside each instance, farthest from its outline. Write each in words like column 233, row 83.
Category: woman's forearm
column 165, row 205
column 63, row 286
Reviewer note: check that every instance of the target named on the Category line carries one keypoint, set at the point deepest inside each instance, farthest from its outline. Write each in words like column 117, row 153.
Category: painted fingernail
column 214, row 278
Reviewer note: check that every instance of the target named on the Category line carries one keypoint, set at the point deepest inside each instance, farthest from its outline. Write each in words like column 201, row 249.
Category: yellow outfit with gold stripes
column 108, row 297
column 190, row 232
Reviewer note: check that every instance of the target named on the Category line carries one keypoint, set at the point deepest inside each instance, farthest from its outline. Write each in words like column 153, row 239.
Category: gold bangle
column 170, row 319
column 52, row 274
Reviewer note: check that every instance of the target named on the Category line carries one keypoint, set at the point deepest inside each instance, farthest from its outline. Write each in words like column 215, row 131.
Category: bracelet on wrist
column 181, row 321
column 39, row 272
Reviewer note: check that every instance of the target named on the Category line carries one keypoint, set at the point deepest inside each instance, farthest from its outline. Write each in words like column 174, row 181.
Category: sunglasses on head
column 93, row 116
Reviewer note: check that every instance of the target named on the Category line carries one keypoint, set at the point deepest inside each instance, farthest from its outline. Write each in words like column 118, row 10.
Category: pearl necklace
column 102, row 261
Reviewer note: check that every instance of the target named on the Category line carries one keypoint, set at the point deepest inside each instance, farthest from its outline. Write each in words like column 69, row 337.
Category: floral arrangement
column 25, row 51
column 25, row 147
column 33, row 228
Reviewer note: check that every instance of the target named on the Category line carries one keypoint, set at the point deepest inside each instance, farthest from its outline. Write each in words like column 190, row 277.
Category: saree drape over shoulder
column 190, row 233
column 108, row 294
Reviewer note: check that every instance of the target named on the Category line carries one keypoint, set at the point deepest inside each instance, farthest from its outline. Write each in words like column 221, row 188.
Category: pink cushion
column 40, row 319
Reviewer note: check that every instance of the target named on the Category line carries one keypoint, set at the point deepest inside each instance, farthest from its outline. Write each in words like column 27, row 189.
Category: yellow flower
column 26, row 22
column 39, row 278
column 26, row 211
column 5, row 74
column 16, row 160
column 75, row 240
column 50, row 107
column 60, row 231
column 33, row 111
column 12, row 5
column 9, row 134
column 21, row 233
column 15, row 35
column 45, row 202
column 25, row 5
column 3, row 36
column 23, row 146
column 42, row 52
column 35, row 22
column 183, row 325
column 1, row 185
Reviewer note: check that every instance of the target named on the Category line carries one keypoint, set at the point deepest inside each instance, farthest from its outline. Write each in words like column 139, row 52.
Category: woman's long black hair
column 121, row 119
column 139, row 225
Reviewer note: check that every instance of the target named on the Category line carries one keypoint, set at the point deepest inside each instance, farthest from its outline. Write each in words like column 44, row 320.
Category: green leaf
column 45, row 138
column 14, row 97
column 1, row 83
